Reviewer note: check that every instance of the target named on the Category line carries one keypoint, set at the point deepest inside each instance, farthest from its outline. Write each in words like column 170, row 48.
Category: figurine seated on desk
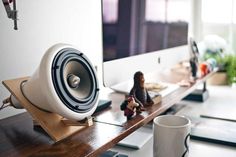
column 139, row 92
column 129, row 107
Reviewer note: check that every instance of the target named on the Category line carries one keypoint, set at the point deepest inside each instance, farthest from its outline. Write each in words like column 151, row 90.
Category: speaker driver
column 78, row 80
column 74, row 80
column 64, row 83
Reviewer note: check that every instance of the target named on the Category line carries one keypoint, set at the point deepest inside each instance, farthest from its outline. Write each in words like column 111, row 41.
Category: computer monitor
column 142, row 35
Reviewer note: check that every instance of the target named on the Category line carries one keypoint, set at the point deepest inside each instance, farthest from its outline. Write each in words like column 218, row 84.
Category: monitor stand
column 199, row 95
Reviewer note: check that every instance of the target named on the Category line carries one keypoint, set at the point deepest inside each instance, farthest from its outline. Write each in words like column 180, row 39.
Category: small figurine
column 204, row 68
column 194, row 67
column 207, row 66
column 139, row 92
column 194, row 58
column 129, row 107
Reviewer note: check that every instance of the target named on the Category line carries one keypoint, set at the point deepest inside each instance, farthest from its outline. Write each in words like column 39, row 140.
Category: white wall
column 195, row 29
column 43, row 23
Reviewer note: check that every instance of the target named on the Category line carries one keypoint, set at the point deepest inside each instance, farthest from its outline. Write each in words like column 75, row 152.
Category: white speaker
column 64, row 83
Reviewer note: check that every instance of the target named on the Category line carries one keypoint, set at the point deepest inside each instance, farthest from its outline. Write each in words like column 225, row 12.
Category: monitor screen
column 142, row 26
column 133, row 28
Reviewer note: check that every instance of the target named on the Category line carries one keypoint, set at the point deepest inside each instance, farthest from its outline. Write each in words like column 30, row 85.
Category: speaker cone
column 74, row 80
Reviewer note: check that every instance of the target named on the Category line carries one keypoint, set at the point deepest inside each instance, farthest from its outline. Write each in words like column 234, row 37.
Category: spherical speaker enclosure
column 64, row 83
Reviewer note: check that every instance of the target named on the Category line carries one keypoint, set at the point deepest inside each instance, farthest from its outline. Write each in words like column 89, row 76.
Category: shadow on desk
column 18, row 135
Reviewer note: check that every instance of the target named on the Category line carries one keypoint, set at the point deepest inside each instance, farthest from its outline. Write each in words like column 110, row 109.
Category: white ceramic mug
column 171, row 135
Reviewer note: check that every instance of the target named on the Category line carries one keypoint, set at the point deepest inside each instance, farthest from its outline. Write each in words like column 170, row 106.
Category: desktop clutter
column 197, row 69
column 138, row 97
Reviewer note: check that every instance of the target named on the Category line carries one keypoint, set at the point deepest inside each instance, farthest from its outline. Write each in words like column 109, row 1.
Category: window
column 219, row 17
column 217, row 11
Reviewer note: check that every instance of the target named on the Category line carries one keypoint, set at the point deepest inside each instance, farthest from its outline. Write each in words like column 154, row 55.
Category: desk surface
column 222, row 98
column 19, row 138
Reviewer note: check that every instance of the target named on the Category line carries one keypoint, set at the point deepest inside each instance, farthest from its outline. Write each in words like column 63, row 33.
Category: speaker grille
column 74, row 80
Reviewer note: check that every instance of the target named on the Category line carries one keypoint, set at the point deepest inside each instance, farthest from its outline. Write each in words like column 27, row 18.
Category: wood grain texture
column 50, row 122
column 19, row 138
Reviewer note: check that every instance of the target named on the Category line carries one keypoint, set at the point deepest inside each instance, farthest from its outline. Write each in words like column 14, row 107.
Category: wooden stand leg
column 86, row 122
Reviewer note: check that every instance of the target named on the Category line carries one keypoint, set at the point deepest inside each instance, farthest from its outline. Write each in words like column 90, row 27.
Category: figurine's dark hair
column 137, row 78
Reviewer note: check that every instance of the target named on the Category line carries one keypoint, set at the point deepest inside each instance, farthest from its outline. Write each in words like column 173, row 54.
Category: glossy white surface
column 150, row 64
column 39, row 89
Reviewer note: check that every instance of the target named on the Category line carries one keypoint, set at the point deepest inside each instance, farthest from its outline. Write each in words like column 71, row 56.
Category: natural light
column 218, row 11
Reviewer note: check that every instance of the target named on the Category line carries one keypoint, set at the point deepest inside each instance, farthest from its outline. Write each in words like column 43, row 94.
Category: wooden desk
column 19, row 138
